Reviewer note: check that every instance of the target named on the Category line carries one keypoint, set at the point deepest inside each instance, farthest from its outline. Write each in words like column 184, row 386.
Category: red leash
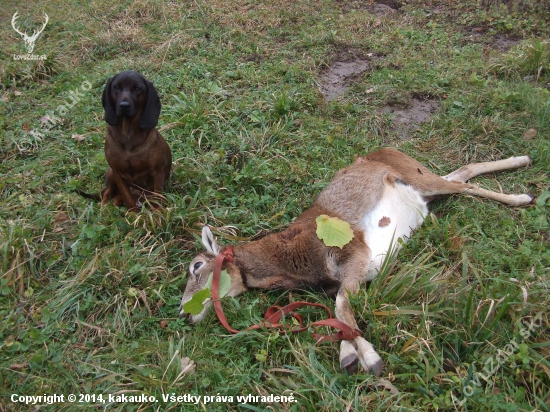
column 275, row 313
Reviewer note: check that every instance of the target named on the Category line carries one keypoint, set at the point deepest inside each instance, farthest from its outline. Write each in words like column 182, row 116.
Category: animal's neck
column 127, row 136
column 290, row 259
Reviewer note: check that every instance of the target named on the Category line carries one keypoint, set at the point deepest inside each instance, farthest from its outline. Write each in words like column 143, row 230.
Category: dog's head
column 129, row 94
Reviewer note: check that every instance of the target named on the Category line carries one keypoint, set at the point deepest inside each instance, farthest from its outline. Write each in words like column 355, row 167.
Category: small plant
column 531, row 59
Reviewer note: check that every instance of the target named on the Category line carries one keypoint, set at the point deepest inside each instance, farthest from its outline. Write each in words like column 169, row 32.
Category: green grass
column 89, row 295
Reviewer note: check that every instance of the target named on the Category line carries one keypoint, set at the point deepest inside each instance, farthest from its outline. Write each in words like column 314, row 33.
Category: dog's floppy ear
column 151, row 113
column 110, row 113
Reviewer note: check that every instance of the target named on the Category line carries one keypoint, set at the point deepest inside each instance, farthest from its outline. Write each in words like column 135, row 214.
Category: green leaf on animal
column 333, row 231
column 196, row 304
column 225, row 283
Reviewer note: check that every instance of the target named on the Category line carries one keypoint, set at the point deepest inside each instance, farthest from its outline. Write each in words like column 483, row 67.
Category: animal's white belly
column 405, row 211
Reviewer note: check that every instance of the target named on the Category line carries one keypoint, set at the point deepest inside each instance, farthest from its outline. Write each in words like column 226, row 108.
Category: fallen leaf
column 78, row 137
column 163, row 324
column 385, row 221
column 17, row 93
column 44, row 119
column 61, row 217
column 387, row 385
column 18, row 366
column 26, row 127
column 457, row 242
column 187, row 365
column 58, row 229
column 530, row 134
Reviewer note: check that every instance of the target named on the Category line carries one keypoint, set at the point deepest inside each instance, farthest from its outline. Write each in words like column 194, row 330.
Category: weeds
column 530, row 60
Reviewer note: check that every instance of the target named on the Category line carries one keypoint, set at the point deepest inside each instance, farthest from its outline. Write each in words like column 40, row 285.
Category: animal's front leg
column 158, row 181
column 125, row 192
column 359, row 350
column 110, row 187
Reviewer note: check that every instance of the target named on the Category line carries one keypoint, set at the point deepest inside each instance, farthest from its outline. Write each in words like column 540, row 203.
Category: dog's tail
column 94, row 196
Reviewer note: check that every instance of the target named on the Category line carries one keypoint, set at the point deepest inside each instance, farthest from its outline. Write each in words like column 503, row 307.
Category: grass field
column 89, row 295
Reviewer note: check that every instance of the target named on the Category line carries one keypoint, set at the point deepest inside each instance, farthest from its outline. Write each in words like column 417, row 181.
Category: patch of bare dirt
column 504, row 43
column 378, row 8
column 499, row 41
column 407, row 120
column 345, row 69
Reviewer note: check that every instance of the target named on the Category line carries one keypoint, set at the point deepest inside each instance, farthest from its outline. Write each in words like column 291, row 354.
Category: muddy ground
column 348, row 66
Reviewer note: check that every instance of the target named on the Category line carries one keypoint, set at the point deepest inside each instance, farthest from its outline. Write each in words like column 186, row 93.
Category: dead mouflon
column 383, row 196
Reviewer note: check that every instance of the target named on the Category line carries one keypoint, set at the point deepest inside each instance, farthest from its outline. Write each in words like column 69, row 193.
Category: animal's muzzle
column 125, row 109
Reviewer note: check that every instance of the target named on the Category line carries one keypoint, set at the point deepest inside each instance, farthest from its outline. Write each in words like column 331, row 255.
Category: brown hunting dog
column 139, row 158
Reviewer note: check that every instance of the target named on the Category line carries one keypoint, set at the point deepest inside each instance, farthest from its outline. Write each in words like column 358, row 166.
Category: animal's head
column 200, row 269
column 129, row 94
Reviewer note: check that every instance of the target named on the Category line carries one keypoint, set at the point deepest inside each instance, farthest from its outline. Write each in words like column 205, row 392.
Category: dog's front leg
column 125, row 192
column 158, row 181
column 110, row 187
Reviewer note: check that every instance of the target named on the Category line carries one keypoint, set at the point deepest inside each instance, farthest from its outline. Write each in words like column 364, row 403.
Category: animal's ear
column 110, row 113
column 151, row 112
column 209, row 241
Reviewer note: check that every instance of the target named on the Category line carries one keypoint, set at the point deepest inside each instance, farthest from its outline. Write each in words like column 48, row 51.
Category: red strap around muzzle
column 275, row 313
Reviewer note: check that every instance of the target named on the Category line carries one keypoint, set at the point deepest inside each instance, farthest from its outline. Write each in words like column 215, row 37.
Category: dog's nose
column 124, row 105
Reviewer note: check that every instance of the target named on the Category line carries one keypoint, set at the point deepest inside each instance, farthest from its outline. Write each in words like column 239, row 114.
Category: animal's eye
column 116, row 87
column 137, row 88
column 196, row 266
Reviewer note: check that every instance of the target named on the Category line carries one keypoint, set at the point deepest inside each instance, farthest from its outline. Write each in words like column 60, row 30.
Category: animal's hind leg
column 430, row 186
column 444, row 187
column 472, row 170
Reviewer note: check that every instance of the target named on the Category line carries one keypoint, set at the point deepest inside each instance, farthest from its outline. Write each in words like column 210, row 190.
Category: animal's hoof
column 350, row 364
column 377, row 367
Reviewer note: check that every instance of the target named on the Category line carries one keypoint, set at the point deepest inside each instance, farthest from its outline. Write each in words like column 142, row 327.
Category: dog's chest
column 391, row 221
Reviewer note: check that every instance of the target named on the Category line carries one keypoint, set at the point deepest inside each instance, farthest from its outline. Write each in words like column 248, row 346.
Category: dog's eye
column 137, row 88
column 196, row 266
column 116, row 87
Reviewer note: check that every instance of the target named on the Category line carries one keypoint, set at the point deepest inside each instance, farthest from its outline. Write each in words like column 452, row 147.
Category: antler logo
column 29, row 40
